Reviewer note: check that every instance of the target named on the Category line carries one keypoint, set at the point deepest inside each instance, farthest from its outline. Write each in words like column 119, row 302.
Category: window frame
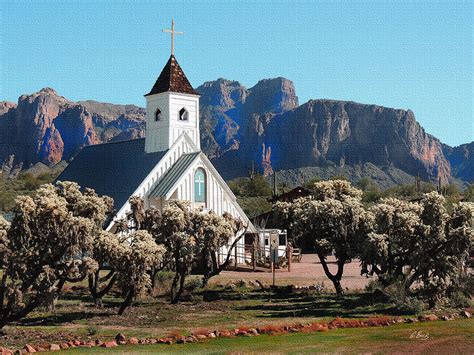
column 204, row 182
column 183, row 111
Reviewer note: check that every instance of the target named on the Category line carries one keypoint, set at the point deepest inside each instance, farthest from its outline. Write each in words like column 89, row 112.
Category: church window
column 200, row 186
column 183, row 114
column 157, row 115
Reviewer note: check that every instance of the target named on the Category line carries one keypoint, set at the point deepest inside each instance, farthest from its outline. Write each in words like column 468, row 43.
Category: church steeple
column 172, row 107
column 172, row 78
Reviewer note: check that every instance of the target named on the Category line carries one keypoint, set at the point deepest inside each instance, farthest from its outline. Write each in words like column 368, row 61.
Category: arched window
column 200, row 186
column 183, row 114
column 157, row 115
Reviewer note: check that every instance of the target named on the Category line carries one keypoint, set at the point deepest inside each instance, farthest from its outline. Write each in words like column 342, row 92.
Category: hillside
column 264, row 124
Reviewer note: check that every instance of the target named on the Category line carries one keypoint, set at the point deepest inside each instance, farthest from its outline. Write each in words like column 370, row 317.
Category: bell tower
column 172, row 107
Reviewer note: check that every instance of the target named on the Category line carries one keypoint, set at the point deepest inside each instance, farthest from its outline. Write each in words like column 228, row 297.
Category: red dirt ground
column 308, row 272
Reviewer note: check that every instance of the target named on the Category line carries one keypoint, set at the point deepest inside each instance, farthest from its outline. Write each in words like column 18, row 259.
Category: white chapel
column 167, row 164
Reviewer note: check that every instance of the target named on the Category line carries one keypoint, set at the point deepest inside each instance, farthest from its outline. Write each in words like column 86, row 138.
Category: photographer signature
column 420, row 335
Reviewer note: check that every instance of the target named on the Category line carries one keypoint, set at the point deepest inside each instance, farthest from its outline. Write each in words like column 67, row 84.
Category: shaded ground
column 217, row 308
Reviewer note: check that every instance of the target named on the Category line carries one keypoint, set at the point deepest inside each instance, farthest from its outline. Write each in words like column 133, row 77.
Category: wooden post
column 254, row 262
column 235, row 254
column 273, row 272
column 289, row 255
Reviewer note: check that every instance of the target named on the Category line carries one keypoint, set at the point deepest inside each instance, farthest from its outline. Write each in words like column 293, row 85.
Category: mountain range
column 264, row 126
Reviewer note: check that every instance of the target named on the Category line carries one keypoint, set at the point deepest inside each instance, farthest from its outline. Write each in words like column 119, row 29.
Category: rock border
column 204, row 335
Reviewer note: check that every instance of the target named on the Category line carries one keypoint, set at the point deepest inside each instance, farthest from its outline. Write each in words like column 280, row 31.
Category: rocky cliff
column 46, row 127
column 264, row 124
column 461, row 159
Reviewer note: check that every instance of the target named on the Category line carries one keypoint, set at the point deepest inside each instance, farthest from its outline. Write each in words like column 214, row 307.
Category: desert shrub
column 410, row 305
column 333, row 219
column 419, row 244
column 192, row 284
column 458, row 299
column 92, row 331
column 48, row 243
column 163, row 280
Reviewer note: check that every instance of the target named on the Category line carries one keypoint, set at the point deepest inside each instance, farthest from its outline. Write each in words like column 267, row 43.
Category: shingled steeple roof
column 172, row 78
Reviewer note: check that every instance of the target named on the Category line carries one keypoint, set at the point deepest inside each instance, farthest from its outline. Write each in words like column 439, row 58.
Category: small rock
column 98, row 342
column 411, row 320
column 71, row 344
column 446, row 317
column 120, row 337
column 230, row 286
column 64, row 346
column 293, row 330
column 109, row 344
column 152, row 341
column 212, row 335
column 465, row 314
column 253, row 331
column 77, row 342
column 242, row 283
column 5, row 351
column 54, row 347
column 225, row 334
column 428, row 317
column 241, row 332
column 133, row 341
column 29, row 349
column 201, row 336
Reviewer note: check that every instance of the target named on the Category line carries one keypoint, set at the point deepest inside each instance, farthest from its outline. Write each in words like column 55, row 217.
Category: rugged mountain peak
column 6, row 106
column 239, row 125
column 343, row 131
column 273, row 95
column 222, row 92
column 461, row 159
column 48, row 90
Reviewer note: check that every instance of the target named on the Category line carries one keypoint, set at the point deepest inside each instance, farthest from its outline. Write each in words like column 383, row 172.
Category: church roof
column 113, row 169
column 170, row 178
column 172, row 78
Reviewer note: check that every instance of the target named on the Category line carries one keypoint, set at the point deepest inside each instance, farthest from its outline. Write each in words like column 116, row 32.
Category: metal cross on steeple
column 173, row 32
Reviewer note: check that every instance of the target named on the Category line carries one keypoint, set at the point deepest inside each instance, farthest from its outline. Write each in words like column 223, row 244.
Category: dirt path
column 308, row 272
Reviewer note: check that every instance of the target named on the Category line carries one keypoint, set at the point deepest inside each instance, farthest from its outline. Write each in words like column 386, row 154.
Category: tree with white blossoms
column 48, row 243
column 333, row 219
column 420, row 244
column 131, row 255
column 214, row 232
column 386, row 250
column 177, row 234
column 192, row 238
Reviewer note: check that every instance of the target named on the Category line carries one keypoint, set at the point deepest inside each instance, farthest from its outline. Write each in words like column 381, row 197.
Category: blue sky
column 403, row 54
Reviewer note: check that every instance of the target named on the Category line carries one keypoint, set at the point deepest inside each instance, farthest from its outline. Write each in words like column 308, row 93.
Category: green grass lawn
column 442, row 337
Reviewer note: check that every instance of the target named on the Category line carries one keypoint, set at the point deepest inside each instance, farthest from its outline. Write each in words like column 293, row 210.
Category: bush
column 163, row 280
column 396, row 294
column 92, row 331
column 410, row 305
column 192, row 284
